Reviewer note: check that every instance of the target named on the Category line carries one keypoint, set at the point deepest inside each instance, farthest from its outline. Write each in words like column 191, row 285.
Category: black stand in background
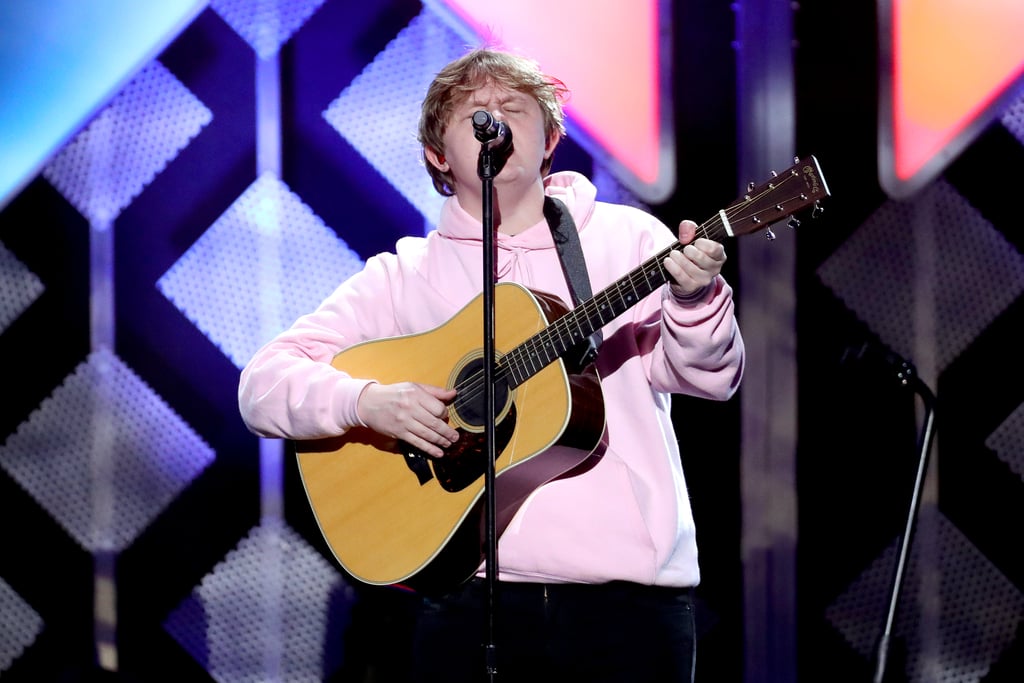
column 907, row 376
column 495, row 145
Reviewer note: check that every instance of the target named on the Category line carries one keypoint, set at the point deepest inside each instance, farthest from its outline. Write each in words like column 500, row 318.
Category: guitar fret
column 552, row 347
column 633, row 296
column 514, row 369
column 578, row 328
column 553, row 343
column 535, row 363
column 564, row 334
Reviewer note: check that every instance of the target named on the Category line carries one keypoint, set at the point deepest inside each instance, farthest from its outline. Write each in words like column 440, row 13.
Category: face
column 462, row 150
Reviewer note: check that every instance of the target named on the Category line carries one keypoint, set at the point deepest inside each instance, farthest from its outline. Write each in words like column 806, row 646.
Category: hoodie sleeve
column 289, row 389
column 689, row 345
column 701, row 351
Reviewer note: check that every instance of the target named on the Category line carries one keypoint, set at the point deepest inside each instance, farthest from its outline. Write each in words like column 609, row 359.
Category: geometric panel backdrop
column 1013, row 118
column 263, row 613
column 268, row 253
column 265, row 25
column 387, row 96
column 104, row 455
column 973, row 608
column 1007, row 441
column 19, row 287
column 19, row 626
column 934, row 281
column 123, row 148
column 139, row 450
column 895, row 273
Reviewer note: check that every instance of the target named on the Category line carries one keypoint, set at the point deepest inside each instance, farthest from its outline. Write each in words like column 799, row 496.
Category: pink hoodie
column 629, row 516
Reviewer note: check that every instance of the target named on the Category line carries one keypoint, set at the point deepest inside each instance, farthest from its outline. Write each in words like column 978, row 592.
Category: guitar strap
column 567, row 241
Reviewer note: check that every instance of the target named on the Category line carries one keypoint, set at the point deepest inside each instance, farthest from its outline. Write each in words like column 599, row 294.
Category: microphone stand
column 908, row 377
column 486, row 170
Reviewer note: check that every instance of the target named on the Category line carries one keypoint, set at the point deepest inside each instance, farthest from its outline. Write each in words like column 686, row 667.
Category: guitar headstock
column 799, row 186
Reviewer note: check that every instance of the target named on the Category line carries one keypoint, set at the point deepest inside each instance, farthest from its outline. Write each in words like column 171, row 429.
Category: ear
column 436, row 160
column 553, row 141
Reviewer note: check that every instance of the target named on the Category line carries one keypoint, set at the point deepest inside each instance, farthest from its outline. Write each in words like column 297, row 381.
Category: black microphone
column 491, row 132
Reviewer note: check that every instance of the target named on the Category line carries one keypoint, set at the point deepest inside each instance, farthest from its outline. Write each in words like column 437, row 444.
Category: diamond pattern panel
column 19, row 287
column 266, row 24
column 1013, row 118
column 264, row 262
column 1008, row 441
column 263, row 609
column 952, row 595
column 938, row 239
column 103, row 454
column 382, row 105
column 121, row 150
column 19, row 626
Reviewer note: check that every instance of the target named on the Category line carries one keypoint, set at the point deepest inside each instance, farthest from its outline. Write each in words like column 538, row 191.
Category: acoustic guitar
column 393, row 515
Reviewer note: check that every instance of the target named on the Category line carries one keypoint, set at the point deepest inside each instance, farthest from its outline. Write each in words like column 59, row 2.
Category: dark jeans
column 617, row 632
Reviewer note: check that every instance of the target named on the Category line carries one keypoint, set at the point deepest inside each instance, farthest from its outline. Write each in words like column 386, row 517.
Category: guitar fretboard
column 567, row 332
column 799, row 186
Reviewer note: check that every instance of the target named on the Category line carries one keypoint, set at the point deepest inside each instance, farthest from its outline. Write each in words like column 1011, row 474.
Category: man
column 596, row 567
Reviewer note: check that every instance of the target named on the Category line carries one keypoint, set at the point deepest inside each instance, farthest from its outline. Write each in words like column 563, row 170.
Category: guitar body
column 392, row 515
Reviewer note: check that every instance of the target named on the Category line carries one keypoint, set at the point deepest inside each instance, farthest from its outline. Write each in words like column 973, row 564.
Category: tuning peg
column 769, row 235
column 817, row 210
column 750, row 186
column 794, row 222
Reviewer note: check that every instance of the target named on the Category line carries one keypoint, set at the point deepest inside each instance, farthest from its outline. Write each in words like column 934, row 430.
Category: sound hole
column 465, row 461
column 470, row 404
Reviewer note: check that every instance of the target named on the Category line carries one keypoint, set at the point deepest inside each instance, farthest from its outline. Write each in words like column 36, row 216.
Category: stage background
column 143, row 538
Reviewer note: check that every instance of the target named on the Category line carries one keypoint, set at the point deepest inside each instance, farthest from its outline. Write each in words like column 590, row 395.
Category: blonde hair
column 473, row 70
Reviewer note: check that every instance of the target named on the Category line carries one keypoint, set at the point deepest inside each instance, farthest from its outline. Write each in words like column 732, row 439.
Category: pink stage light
column 610, row 57
column 947, row 68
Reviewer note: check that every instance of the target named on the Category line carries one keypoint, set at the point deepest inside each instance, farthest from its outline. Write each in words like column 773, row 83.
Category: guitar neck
column 800, row 186
column 570, row 330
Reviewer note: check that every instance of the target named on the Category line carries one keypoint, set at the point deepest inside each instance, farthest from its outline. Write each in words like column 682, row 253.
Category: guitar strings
column 540, row 350
column 528, row 351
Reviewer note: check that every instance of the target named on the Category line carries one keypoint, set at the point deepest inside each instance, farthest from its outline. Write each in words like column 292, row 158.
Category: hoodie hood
column 529, row 257
column 571, row 188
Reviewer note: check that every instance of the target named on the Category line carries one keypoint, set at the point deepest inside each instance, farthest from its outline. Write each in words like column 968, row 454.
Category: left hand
column 698, row 263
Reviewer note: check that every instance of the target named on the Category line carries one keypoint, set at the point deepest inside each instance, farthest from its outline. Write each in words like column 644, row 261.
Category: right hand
column 412, row 412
